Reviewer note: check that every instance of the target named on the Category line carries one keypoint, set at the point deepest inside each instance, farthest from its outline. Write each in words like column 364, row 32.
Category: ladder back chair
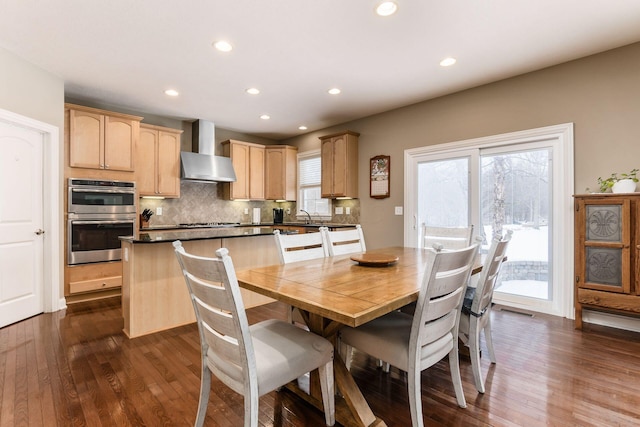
column 448, row 237
column 414, row 343
column 252, row 360
column 300, row 247
column 476, row 308
column 341, row 242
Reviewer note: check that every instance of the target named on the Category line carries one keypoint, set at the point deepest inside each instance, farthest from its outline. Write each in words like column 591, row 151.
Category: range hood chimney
column 202, row 164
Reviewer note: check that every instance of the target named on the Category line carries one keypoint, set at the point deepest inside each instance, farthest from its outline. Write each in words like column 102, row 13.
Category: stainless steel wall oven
column 98, row 213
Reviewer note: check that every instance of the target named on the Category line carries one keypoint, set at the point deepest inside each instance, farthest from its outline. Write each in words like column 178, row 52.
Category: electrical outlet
column 288, row 211
column 347, row 210
column 338, row 210
column 246, row 211
column 159, row 211
column 398, row 210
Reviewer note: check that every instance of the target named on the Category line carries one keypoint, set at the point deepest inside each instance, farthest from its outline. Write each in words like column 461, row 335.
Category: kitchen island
column 154, row 294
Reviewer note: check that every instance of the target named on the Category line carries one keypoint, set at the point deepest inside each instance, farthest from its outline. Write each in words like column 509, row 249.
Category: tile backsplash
column 204, row 202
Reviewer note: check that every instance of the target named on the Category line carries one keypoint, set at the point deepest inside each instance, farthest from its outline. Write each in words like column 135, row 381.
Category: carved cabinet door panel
column 604, row 244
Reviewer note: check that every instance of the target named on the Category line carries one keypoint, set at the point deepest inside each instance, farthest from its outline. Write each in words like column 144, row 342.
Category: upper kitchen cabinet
column 281, row 176
column 158, row 161
column 101, row 139
column 339, row 154
column 248, row 161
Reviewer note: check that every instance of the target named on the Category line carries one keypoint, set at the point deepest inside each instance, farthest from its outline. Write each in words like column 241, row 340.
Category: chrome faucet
column 309, row 216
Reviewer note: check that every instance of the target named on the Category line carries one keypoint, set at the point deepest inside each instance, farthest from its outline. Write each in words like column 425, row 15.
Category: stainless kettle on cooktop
column 278, row 214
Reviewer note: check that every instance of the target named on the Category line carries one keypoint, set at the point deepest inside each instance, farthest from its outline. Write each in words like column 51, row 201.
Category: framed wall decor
column 380, row 174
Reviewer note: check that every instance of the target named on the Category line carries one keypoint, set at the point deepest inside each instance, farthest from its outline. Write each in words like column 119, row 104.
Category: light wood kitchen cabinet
column 89, row 281
column 248, row 161
column 607, row 265
column 158, row 161
column 281, row 172
column 339, row 156
column 100, row 139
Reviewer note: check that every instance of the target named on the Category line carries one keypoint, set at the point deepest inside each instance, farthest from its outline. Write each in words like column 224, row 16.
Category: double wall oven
column 99, row 212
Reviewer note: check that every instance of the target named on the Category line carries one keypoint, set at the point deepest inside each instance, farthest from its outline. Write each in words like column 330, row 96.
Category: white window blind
column 310, row 171
column 309, row 191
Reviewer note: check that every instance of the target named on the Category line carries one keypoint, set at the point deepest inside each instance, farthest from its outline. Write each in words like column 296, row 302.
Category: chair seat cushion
column 387, row 338
column 283, row 352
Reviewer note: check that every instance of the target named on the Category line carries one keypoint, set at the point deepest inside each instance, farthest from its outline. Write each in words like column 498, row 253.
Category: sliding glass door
column 516, row 189
column 499, row 186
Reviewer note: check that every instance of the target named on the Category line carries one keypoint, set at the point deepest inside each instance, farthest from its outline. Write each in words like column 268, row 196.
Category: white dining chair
column 448, row 237
column 251, row 360
column 300, row 247
column 476, row 308
column 414, row 343
column 341, row 242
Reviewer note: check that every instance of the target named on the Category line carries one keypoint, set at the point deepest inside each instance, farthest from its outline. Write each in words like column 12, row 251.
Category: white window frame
column 561, row 136
column 301, row 216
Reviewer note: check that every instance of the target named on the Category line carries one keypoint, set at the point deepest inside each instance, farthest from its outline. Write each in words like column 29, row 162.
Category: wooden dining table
column 335, row 291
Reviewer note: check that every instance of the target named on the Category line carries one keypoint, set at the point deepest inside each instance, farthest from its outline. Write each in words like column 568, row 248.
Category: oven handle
column 90, row 190
column 76, row 222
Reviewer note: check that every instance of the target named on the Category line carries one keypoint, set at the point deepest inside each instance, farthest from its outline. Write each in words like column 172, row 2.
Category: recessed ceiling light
column 446, row 62
column 334, row 91
column 171, row 92
column 302, row 127
column 223, row 46
column 253, row 91
column 265, row 117
column 386, row 8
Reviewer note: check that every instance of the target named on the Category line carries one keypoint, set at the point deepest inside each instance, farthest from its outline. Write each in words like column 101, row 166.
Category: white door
column 21, row 223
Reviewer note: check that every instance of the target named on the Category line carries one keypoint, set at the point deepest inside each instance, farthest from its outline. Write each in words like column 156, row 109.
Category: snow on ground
column 527, row 243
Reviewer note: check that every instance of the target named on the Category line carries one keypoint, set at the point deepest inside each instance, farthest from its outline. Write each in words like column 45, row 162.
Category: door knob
column 39, row 231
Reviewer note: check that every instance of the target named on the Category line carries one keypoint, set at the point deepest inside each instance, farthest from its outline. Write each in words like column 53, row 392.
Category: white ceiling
column 125, row 53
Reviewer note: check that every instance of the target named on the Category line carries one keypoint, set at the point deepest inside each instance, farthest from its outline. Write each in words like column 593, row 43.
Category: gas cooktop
column 209, row 224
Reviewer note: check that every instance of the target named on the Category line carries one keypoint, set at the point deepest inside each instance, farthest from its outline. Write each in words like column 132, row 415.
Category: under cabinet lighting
column 152, row 197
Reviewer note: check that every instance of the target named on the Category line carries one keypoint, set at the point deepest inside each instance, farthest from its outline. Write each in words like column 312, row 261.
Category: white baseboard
column 611, row 320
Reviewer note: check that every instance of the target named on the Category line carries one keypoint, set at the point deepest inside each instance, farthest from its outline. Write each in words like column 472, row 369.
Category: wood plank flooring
column 76, row 368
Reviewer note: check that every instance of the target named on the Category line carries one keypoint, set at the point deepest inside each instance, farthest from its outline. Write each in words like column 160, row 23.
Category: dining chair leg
column 205, row 389
column 327, row 386
column 386, row 367
column 474, row 355
column 415, row 396
column 454, row 365
column 489, row 340
column 251, row 402
column 347, row 354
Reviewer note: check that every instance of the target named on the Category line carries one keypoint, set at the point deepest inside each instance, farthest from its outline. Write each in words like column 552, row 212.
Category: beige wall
column 32, row 92
column 600, row 94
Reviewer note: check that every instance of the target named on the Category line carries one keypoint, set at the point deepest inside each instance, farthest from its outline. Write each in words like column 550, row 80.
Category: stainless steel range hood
column 202, row 164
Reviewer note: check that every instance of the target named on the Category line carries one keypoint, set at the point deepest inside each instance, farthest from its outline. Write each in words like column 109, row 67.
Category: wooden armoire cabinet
column 607, row 239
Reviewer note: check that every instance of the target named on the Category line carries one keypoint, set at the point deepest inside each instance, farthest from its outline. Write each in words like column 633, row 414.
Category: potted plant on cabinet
column 625, row 183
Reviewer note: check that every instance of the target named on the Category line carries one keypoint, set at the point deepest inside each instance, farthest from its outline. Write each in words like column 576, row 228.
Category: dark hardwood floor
column 76, row 368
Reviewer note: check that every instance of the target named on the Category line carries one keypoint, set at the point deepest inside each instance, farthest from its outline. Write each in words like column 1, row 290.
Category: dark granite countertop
column 168, row 227
column 169, row 235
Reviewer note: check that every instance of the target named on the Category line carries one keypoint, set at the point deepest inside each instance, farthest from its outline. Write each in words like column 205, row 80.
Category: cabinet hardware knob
column 39, row 231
